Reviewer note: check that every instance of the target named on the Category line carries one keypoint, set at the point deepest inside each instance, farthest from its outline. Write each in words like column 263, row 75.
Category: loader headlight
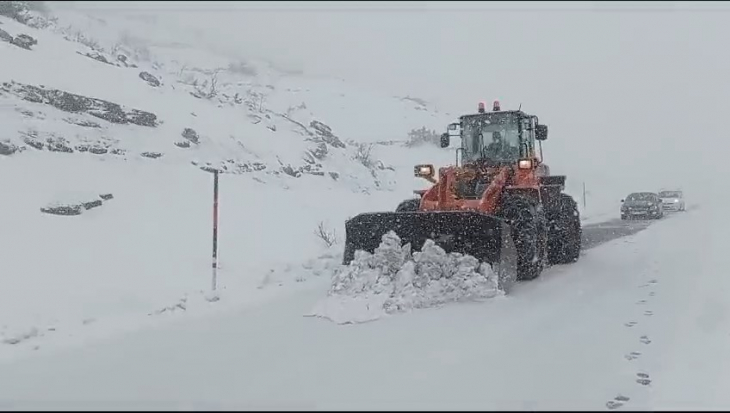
column 524, row 164
column 424, row 171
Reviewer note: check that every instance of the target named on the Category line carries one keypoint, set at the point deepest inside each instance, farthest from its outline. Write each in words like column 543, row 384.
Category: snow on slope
column 640, row 332
column 294, row 149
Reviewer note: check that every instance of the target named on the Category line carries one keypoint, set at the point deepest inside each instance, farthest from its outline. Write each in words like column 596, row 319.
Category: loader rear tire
column 409, row 205
column 565, row 231
column 529, row 230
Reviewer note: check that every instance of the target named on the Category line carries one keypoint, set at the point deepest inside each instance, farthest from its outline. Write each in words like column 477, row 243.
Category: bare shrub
column 327, row 236
column 363, row 154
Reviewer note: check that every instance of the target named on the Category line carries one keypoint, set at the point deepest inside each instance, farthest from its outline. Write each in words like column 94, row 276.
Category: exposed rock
column 33, row 142
column 58, row 144
column 324, row 132
column 232, row 166
column 182, row 144
column 24, row 41
column 97, row 56
column 67, row 210
column 69, row 102
column 334, row 175
column 5, row 36
column 191, row 135
column 20, row 11
column 151, row 155
column 7, row 148
column 124, row 61
column 77, row 207
column 96, row 149
column 82, row 122
column 150, row 79
column 320, row 152
column 91, row 204
column 311, row 169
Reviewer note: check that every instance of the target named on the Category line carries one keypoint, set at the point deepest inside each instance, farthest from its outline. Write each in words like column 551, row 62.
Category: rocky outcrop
column 151, row 155
column 22, row 40
column 67, row 208
column 7, row 148
column 150, row 79
column 69, row 102
column 231, row 166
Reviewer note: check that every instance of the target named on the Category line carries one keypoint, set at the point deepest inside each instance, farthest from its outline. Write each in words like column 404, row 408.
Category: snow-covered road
column 619, row 324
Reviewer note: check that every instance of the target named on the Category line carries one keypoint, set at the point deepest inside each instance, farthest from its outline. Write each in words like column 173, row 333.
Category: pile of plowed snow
column 394, row 279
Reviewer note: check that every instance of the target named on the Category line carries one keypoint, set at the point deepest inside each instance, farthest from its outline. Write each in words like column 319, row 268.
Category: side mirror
column 445, row 141
column 541, row 132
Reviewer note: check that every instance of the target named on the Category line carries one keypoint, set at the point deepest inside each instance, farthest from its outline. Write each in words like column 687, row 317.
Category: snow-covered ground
column 132, row 275
column 635, row 331
column 299, row 153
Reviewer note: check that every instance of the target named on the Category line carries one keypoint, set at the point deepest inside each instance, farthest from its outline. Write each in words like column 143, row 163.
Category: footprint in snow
column 643, row 379
column 630, row 324
column 648, row 313
column 649, row 284
column 645, row 340
column 652, row 294
column 617, row 402
column 641, row 302
column 632, row 356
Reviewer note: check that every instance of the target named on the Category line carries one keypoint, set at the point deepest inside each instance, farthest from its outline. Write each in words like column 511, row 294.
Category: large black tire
column 529, row 232
column 565, row 231
column 409, row 205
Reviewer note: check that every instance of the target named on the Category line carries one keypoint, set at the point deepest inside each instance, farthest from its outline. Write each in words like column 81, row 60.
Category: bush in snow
column 407, row 280
column 327, row 236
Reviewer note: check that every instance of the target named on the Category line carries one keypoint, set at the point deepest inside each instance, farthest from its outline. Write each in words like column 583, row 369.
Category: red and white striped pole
column 215, row 229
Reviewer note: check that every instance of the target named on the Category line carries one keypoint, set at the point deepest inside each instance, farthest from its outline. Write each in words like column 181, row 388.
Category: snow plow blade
column 485, row 237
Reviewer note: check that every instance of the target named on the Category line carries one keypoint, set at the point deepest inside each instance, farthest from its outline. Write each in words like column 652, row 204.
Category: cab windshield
column 493, row 136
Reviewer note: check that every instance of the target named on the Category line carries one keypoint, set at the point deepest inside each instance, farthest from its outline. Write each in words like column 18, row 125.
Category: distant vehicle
column 672, row 200
column 642, row 205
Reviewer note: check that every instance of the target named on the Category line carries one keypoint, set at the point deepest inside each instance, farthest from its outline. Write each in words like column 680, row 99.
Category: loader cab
column 499, row 137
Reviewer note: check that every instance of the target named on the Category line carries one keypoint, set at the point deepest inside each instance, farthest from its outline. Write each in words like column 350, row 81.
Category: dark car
column 642, row 205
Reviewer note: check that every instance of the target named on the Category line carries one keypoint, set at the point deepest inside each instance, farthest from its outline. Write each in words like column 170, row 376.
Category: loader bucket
column 483, row 236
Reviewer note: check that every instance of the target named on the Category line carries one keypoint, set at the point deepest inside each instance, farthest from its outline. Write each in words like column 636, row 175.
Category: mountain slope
column 80, row 120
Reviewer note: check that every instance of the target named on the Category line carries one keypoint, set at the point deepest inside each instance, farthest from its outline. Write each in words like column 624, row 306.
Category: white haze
column 635, row 95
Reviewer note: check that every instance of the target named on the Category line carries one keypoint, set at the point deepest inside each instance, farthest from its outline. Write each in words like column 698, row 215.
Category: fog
column 635, row 95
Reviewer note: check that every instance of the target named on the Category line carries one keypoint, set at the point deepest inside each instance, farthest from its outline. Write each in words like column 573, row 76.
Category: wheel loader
column 498, row 203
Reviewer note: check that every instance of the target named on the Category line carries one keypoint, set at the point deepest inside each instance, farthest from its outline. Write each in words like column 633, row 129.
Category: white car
column 672, row 200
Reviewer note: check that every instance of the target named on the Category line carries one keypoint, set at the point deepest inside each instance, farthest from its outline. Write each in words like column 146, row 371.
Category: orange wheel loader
column 498, row 203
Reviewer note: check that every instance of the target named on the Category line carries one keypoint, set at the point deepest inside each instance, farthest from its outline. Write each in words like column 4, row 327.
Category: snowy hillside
column 117, row 138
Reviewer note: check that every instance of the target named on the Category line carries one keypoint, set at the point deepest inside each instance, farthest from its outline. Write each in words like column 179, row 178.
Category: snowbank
column 394, row 279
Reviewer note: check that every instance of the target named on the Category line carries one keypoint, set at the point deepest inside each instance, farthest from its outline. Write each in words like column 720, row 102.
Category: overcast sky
column 632, row 92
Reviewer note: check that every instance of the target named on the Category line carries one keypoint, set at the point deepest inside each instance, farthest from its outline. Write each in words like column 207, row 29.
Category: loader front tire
column 529, row 233
column 565, row 232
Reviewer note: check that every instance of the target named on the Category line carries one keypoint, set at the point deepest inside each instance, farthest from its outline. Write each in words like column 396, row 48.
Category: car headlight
column 676, row 201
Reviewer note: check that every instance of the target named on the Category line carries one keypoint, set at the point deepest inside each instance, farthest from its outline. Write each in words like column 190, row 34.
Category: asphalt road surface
column 597, row 234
